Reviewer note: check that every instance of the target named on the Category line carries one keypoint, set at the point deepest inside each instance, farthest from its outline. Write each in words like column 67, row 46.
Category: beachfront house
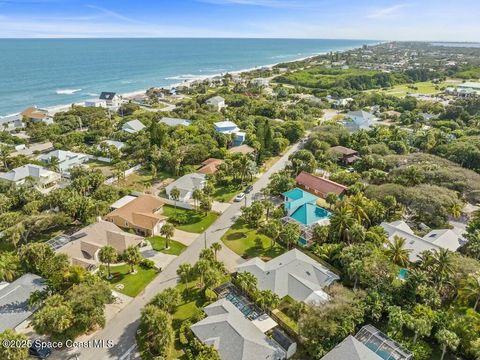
column 142, row 214
column 36, row 115
column 217, row 103
column 66, row 159
column 368, row 344
column 433, row 241
column 83, row 246
column 111, row 99
column 11, row 123
column 174, row 121
column 360, row 120
column 233, row 335
column 301, row 207
column 95, row 103
column 345, row 155
column 186, row 185
column 133, row 126
column 319, row 186
column 230, row 128
column 292, row 274
column 43, row 179
column 15, row 308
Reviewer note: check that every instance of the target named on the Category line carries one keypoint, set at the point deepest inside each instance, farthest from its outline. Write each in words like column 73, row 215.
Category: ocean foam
column 67, row 91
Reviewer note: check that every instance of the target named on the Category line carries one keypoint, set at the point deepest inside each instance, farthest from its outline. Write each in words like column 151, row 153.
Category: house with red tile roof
column 319, row 186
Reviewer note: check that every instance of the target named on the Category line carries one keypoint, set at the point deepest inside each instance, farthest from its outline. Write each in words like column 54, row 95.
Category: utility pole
column 205, row 238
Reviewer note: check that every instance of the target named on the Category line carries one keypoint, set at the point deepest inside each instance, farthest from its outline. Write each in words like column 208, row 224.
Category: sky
column 431, row 20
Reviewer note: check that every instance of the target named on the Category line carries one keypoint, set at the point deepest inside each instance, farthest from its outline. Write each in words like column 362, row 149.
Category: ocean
column 49, row 72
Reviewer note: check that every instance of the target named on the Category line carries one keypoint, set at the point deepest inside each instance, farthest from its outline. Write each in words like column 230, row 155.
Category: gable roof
column 210, row 166
column 24, row 171
column 361, row 114
column 175, row 122
column 215, row 100
column 62, row 155
column 241, row 149
column 226, row 125
column 343, row 150
column 133, row 126
column 319, row 184
column 14, row 308
column 187, row 182
column 34, row 113
column 434, row 240
column 233, row 335
column 140, row 212
column 105, row 95
column 351, row 349
column 292, row 273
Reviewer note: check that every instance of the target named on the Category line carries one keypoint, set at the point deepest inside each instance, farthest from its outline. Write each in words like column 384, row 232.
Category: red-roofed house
column 210, row 166
column 319, row 186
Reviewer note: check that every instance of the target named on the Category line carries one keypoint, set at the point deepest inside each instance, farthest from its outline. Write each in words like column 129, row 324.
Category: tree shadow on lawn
column 265, row 253
column 236, row 236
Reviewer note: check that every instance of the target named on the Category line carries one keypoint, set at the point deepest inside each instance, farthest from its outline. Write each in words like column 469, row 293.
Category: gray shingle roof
column 294, row 274
column 233, row 335
column 351, row 349
column 24, row 171
column 14, row 297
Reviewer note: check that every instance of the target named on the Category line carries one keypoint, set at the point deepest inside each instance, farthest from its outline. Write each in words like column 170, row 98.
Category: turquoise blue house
column 301, row 207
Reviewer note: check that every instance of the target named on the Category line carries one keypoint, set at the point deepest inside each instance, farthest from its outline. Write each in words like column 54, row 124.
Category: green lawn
column 249, row 243
column 158, row 244
column 425, row 87
column 133, row 283
column 228, row 192
column 197, row 222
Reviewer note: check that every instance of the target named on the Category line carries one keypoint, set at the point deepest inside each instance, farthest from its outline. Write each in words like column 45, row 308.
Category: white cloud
column 386, row 12
column 113, row 14
column 263, row 3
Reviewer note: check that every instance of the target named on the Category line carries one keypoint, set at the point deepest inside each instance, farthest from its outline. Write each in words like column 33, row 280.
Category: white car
column 239, row 197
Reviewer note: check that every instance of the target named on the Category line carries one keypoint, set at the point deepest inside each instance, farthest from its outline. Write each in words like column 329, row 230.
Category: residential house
column 234, row 336
column 260, row 82
column 210, row 166
column 368, row 344
column 228, row 128
column 111, row 99
column 292, row 274
column 360, row 120
column 36, row 115
column 122, row 201
column 434, row 240
column 186, row 184
column 241, row 149
column 95, row 103
column 44, row 180
column 82, row 247
column 175, row 122
column 66, row 159
column 15, row 308
column 33, row 149
column 119, row 145
column 348, row 156
column 319, row 186
column 133, row 126
column 216, row 102
column 11, row 123
column 301, row 207
column 143, row 215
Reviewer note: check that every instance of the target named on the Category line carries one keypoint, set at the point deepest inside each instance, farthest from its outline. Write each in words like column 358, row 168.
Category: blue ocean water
column 47, row 72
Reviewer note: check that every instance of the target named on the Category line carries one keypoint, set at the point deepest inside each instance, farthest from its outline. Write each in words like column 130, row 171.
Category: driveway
column 122, row 328
column 186, row 238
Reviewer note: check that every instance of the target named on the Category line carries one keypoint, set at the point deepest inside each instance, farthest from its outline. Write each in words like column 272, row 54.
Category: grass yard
column 249, row 243
column 158, row 244
column 133, row 284
column 106, row 169
column 197, row 222
column 227, row 192
column 286, row 319
column 138, row 181
column 426, row 88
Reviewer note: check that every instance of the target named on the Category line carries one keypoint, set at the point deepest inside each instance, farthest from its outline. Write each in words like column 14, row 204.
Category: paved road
column 122, row 328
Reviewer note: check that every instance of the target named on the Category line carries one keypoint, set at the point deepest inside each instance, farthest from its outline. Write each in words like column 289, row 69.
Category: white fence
column 128, row 172
column 180, row 204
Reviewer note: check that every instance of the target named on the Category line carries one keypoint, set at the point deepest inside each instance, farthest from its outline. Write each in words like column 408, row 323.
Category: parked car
column 239, row 197
column 39, row 351
column 249, row 189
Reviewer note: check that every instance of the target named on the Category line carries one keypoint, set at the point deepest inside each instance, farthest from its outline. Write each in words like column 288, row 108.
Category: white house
column 36, row 115
column 229, row 127
column 66, row 159
column 11, row 123
column 292, row 273
column 119, row 145
column 111, row 99
column 95, row 103
column 133, row 126
column 261, row 82
column 216, row 102
column 45, row 180
column 434, row 240
column 186, row 185
column 175, row 122
column 360, row 120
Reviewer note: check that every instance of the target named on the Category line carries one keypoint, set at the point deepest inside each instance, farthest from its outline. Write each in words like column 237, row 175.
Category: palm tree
column 175, row 195
column 197, row 196
column 470, row 290
column 108, row 255
column 447, row 339
column 167, row 231
column 443, row 265
column 268, row 206
column 216, row 247
column 356, row 204
column 247, row 282
column 9, row 267
column 54, row 164
column 201, row 267
column 341, row 223
column 132, row 257
column 456, row 210
column 272, row 229
column 184, row 271
column 4, row 156
column 397, row 252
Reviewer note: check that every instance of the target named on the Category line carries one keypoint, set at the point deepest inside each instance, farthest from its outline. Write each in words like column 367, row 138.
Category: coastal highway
column 123, row 326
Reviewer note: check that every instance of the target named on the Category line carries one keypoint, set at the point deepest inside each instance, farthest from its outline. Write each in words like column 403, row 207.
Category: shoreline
column 64, row 107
